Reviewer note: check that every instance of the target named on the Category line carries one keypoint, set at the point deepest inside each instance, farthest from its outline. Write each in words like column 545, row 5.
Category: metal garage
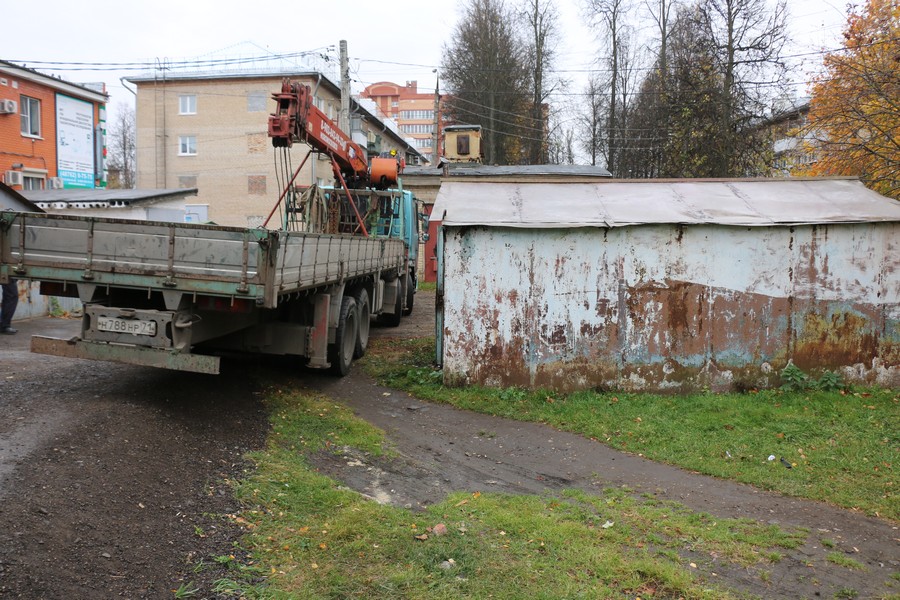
column 666, row 285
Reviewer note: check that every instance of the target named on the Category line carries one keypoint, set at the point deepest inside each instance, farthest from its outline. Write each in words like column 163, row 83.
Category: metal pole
column 345, row 89
column 435, row 152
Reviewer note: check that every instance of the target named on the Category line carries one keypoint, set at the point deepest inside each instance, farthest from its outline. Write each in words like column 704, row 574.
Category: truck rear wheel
column 364, row 312
column 340, row 353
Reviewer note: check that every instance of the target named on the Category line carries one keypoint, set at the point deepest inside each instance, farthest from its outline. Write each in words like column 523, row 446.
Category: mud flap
column 317, row 340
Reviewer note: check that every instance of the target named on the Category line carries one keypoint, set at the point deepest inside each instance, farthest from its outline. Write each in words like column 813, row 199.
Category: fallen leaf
column 476, row 495
column 693, row 565
column 422, row 537
column 461, row 502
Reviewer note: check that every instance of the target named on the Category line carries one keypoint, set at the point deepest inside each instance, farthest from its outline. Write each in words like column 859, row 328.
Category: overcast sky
column 393, row 41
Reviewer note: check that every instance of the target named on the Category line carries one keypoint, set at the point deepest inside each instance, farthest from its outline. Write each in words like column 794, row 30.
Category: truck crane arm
column 298, row 119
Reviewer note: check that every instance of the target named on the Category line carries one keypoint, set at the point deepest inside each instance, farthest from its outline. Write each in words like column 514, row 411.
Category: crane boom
column 297, row 119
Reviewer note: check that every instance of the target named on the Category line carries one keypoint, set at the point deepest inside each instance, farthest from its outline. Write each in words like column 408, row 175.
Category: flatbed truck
column 175, row 295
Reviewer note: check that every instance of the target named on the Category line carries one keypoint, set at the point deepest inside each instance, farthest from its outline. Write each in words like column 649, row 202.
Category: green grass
column 842, row 446
column 842, row 560
column 309, row 537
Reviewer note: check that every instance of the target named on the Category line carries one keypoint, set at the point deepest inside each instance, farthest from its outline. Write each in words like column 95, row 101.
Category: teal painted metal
column 185, row 257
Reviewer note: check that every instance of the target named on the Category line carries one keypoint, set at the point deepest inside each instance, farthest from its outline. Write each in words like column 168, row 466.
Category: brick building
column 209, row 131
column 413, row 111
column 52, row 132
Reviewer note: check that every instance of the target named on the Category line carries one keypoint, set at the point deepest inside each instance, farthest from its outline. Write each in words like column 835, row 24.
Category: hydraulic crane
column 298, row 119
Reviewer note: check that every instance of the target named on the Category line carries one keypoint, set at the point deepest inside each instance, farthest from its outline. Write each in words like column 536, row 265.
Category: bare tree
column 610, row 15
column 121, row 148
column 592, row 121
column 487, row 75
column 540, row 18
column 661, row 13
column 749, row 38
column 560, row 142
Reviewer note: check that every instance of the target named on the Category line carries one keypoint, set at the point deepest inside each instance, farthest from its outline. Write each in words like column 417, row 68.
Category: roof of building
column 87, row 91
column 462, row 127
column 11, row 199
column 283, row 71
column 619, row 203
column 79, row 196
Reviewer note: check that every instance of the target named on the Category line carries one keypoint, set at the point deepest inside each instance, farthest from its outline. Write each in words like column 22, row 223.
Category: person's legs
column 8, row 308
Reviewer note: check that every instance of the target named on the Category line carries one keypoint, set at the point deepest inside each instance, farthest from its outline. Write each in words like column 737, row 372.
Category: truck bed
column 193, row 258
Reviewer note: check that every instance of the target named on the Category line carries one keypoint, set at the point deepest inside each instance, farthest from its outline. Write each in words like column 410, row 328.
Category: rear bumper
column 122, row 353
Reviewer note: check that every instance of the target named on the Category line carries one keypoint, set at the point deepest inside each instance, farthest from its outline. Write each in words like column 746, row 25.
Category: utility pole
column 345, row 89
column 435, row 135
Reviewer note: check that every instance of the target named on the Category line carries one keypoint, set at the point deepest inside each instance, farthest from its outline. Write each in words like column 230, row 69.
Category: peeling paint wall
column 33, row 304
column 669, row 307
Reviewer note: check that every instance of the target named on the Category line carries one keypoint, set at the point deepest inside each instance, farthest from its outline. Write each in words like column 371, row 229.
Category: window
column 256, row 185
column 422, row 143
column 187, row 104
column 256, row 101
column 462, row 145
column 33, row 183
column 256, row 143
column 31, row 116
column 417, row 128
column 187, row 181
column 417, row 114
column 187, row 145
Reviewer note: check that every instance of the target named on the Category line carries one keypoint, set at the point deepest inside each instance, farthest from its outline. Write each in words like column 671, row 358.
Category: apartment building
column 52, row 132
column 209, row 131
column 413, row 111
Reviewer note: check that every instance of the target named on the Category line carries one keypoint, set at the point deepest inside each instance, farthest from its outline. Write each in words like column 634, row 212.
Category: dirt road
column 111, row 476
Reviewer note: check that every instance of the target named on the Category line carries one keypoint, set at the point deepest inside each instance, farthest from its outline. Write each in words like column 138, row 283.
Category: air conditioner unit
column 8, row 107
column 56, row 183
column 14, row 178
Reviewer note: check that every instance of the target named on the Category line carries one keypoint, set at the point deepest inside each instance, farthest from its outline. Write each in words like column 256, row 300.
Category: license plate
column 132, row 326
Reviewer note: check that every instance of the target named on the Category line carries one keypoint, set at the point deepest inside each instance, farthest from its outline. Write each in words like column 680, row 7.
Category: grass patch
column 308, row 537
column 842, row 560
column 841, row 446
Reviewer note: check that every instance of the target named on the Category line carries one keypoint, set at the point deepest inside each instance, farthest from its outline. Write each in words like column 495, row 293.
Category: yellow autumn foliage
column 854, row 120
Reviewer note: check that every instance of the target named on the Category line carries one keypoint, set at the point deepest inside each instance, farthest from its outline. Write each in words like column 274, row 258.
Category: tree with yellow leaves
column 854, row 116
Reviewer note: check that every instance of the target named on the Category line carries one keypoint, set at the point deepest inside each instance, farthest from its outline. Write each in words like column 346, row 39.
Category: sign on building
column 75, row 142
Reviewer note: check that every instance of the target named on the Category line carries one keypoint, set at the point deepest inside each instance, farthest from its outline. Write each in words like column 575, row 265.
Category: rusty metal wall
column 33, row 304
column 669, row 307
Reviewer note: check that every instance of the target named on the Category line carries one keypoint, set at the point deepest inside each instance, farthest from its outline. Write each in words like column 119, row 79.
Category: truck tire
column 410, row 294
column 364, row 312
column 340, row 353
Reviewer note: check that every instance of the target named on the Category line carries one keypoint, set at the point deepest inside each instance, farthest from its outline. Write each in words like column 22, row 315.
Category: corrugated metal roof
column 739, row 202
column 107, row 195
